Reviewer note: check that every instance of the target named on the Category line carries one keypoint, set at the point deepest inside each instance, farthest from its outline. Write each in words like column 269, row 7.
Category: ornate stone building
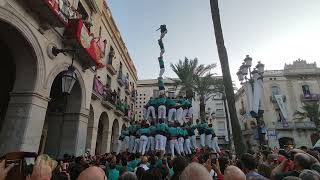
column 296, row 85
column 39, row 40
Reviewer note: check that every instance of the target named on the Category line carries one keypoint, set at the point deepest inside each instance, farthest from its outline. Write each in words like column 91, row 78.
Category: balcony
column 55, row 13
column 310, row 97
column 90, row 50
column 97, row 89
column 107, row 105
column 305, row 125
column 285, row 126
column 126, row 118
column 121, row 79
column 220, row 114
column 118, row 113
column 111, row 69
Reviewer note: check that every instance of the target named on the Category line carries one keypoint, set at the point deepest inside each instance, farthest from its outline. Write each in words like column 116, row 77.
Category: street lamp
column 253, row 88
column 69, row 78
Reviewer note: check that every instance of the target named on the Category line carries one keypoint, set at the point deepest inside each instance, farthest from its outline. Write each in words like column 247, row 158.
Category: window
column 82, row 11
column 279, row 116
column 221, row 126
column 275, row 90
column 306, row 90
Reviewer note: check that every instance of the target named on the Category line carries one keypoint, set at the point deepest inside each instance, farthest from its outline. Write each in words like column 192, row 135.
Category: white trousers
column 181, row 143
column 187, row 147
column 184, row 115
column 126, row 142
column 143, row 144
column 158, row 141
column 190, row 112
column 202, row 140
column 172, row 114
column 162, row 70
column 162, row 112
column 152, row 111
column 150, row 145
column 136, row 145
column 163, row 143
column 194, row 142
column 215, row 144
column 120, row 144
column 209, row 140
column 131, row 143
column 174, row 145
column 179, row 114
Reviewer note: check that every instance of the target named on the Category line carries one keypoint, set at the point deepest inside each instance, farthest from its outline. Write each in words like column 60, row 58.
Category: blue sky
column 273, row 31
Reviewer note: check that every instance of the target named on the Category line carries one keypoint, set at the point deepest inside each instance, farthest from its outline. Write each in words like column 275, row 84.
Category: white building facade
column 34, row 114
column 294, row 86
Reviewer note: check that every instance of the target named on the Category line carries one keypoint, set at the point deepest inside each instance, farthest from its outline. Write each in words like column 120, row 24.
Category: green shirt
column 173, row 131
column 133, row 164
column 152, row 102
column 113, row 174
column 143, row 131
column 161, row 101
column 170, row 103
column 152, row 130
column 202, row 127
column 161, row 62
column 160, row 82
column 162, row 127
column 185, row 104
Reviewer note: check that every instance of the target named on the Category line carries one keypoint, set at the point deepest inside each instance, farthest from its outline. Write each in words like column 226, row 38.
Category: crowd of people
column 202, row 164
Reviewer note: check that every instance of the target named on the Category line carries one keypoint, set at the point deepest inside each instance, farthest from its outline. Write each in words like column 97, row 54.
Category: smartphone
column 23, row 161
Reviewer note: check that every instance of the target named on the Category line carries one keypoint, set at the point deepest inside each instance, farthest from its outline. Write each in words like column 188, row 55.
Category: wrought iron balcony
column 97, row 89
column 310, row 97
column 305, row 125
column 285, row 126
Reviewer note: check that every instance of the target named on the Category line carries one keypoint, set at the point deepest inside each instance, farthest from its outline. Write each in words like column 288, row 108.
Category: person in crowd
column 192, row 136
column 250, row 165
column 92, row 173
column 144, row 133
column 123, row 141
column 137, row 140
column 151, row 109
column 187, row 141
column 181, row 135
column 128, row 176
column 266, row 167
column 209, row 131
column 179, row 111
column 161, row 65
column 195, row 171
column 172, row 114
column 201, row 129
column 161, row 103
column 173, row 135
column 178, row 165
column 160, row 138
column 133, row 161
column 233, row 173
column 132, row 135
column 308, row 174
column 151, row 140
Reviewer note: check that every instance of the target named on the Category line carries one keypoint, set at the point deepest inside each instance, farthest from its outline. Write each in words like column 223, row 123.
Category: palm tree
column 311, row 111
column 239, row 144
column 186, row 71
column 196, row 79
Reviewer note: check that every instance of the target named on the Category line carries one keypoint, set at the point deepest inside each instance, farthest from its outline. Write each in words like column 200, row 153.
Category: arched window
column 306, row 90
column 275, row 90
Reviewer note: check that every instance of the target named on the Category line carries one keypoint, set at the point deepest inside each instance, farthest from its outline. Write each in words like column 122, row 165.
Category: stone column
column 22, row 127
column 92, row 139
column 74, row 132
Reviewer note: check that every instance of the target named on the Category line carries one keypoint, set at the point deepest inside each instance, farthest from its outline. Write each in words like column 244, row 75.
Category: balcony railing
column 109, row 65
column 121, row 79
column 97, row 89
column 295, row 125
column 305, row 125
column 91, row 51
column 310, row 97
column 285, row 125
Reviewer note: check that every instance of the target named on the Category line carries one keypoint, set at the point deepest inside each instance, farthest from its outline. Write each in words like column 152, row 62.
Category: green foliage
column 309, row 110
column 194, row 77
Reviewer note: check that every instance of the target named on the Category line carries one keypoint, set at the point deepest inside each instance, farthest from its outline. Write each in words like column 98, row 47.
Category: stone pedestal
column 22, row 127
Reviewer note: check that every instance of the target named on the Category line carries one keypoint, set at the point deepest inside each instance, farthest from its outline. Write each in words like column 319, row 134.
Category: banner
column 257, row 95
column 283, row 109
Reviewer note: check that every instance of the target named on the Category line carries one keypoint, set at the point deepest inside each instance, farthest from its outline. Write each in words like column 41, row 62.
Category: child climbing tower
column 163, row 30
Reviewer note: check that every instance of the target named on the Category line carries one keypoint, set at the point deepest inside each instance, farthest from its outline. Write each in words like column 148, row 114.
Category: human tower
column 166, row 120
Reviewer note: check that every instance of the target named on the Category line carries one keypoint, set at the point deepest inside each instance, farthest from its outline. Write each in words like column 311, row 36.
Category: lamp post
column 68, row 79
column 252, row 82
